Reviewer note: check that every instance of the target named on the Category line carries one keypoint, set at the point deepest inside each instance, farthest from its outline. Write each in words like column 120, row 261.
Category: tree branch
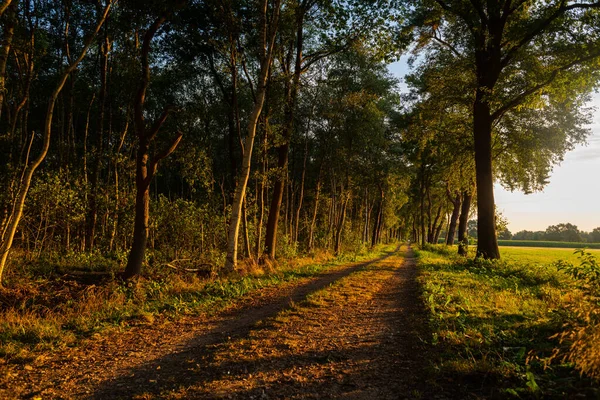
column 448, row 45
column 312, row 58
column 4, row 5
column 250, row 84
column 151, row 133
column 140, row 98
column 479, row 8
column 521, row 97
column 167, row 151
column 463, row 16
column 542, row 25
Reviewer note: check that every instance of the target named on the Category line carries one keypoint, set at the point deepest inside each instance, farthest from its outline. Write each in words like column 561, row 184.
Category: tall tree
column 30, row 168
column 146, row 134
column 502, row 41
column 268, row 26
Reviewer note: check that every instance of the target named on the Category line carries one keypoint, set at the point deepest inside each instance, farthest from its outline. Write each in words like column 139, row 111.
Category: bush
column 583, row 333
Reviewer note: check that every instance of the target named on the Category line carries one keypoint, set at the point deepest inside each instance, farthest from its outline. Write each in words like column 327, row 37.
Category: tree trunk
column 487, row 243
column 9, row 31
column 261, row 194
column 453, row 219
column 275, row 208
column 422, row 220
column 240, row 190
column 25, row 182
column 463, row 240
column 4, row 5
column 438, row 230
column 430, row 226
column 434, row 226
column 92, row 215
column 378, row 220
column 301, row 195
column 140, row 232
column 340, row 225
column 145, row 171
column 283, row 150
column 245, row 229
column 313, row 222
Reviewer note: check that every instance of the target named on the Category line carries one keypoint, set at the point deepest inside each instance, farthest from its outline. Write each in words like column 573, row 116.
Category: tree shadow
column 195, row 364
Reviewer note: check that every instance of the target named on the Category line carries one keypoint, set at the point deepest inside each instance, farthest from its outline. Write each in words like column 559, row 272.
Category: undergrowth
column 57, row 302
column 497, row 326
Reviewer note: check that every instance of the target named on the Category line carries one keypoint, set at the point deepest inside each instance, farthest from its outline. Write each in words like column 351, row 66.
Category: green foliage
column 181, row 228
column 583, row 332
column 588, row 269
column 563, row 232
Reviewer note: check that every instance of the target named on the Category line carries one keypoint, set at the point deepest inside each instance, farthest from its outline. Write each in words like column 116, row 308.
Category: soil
column 357, row 331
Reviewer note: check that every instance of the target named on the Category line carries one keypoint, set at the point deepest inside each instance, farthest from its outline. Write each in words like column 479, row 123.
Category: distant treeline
column 546, row 243
column 564, row 232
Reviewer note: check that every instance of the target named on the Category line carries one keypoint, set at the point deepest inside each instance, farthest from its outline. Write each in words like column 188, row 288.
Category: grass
column 544, row 243
column 540, row 256
column 47, row 310
column 493, row 322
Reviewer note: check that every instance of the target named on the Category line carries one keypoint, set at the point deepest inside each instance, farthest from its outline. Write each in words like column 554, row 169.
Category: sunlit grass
column 50, row 313
column 543, row 256
column 493, row 321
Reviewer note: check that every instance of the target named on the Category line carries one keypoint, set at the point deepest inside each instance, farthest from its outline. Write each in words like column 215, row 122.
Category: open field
column 544, row 243
column 493, row 323
column 543, row 256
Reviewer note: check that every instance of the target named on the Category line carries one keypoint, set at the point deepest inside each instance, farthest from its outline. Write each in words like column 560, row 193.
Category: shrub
column 583, row 333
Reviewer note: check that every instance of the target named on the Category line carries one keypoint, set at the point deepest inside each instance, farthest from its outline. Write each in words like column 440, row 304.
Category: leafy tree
column 500, row 43
column 563, row 232
column 24, row 183
column 472, row 228
column 505, row 234
column 595, row 235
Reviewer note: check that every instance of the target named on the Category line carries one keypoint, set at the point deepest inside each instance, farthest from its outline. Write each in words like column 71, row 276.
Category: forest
column 161, row 157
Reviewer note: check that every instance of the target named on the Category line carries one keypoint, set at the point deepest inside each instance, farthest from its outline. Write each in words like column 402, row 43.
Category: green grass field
column 544, row 243
column 542, row 256
column 493, row 323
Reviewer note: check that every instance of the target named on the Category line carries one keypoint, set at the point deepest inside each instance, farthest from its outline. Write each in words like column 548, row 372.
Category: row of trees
column 564, row 232
column 275, row 122
column 498, row 93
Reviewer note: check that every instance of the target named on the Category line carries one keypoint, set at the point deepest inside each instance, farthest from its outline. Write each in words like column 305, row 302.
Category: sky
column 573, row 194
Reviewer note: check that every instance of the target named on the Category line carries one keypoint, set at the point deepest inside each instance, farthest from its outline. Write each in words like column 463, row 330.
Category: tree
column 303, row 47
column 145, row 170
column 31, row 167
column 472, row 228
column 268, row 30
column 563, row 232
column 504, row 234
column 501, row 42
column 595, row 235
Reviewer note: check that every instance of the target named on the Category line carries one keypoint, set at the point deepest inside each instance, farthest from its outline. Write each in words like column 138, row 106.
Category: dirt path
column 350, row 333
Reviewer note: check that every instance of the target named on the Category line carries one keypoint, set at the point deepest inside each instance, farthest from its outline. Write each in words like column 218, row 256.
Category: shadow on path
column 180, row 369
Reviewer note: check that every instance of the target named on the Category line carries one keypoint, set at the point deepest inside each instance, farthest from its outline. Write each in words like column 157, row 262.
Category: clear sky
column 573, row 194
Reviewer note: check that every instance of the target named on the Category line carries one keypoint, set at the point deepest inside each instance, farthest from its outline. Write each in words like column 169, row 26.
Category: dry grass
column 51, row 310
